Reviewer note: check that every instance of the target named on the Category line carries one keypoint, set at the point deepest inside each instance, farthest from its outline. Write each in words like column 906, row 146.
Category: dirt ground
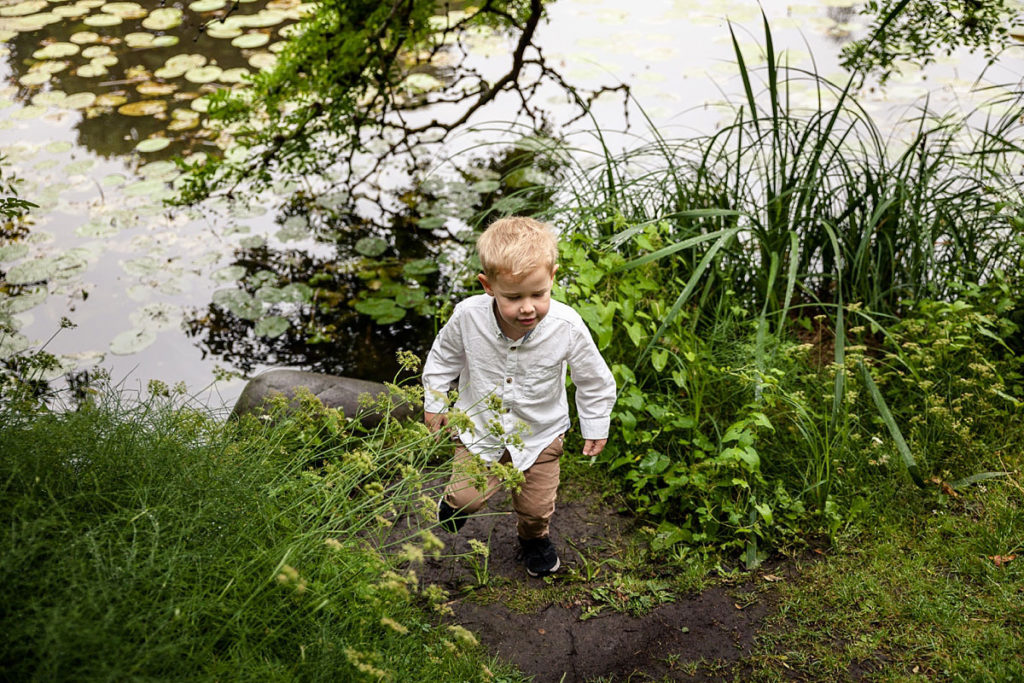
column 560, row 637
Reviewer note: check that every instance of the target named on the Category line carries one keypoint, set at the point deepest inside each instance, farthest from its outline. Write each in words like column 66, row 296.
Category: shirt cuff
column 434, row 401
column 595, row 428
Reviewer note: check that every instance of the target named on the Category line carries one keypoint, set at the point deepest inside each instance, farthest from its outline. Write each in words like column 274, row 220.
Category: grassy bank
column 148, row 540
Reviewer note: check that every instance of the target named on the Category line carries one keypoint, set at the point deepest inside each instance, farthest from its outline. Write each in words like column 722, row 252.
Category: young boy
column 509, row 349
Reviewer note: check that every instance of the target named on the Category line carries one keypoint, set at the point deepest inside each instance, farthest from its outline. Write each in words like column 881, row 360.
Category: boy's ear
column 487, row 285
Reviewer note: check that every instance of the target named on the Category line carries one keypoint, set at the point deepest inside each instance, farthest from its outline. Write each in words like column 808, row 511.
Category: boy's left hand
column 592, row 447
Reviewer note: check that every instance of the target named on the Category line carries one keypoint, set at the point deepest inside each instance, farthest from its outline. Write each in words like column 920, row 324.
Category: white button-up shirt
column 518, row 387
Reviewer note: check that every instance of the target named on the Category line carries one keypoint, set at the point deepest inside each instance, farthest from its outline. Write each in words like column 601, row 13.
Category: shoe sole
column 558, row 563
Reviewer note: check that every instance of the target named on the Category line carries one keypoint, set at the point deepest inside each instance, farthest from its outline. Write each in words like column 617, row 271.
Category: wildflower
column 393, row 625
column 479, row 548
column 408, row 360
column 431, row 543
column 373, row 488
column 332, row 543
column 463, row 635
column 287, row 574
column 365, row 663
column 413, row 554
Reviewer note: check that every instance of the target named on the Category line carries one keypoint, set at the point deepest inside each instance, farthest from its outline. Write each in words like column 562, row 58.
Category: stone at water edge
column 333, row 390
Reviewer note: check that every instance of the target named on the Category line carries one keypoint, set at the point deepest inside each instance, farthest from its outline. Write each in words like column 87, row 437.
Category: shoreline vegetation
column 817, row 339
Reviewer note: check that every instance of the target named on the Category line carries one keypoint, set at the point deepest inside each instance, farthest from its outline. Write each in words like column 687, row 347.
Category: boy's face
column 521, row 302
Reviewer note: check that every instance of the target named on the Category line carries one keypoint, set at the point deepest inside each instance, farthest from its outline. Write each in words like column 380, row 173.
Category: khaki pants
column 535, row 502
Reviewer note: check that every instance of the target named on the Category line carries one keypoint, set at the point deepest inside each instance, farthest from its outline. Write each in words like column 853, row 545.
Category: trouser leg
column 462, row 492
column 535, row 502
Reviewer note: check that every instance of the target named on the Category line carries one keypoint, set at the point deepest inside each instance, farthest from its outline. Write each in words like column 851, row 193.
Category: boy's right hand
column 435, row 421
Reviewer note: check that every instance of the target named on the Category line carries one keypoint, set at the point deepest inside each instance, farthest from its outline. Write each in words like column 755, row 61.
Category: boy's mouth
column 527, row 321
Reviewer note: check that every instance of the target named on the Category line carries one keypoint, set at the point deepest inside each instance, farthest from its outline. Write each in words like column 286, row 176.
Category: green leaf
column 371, row 246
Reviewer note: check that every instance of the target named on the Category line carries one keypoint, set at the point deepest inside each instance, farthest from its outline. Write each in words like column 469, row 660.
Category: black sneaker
column 451, row 520
column 539, row 556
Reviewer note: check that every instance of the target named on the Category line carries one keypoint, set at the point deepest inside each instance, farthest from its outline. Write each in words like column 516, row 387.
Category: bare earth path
column 549, row 629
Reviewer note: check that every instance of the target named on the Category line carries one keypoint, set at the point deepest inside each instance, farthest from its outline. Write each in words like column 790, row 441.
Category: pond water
column 100, row 96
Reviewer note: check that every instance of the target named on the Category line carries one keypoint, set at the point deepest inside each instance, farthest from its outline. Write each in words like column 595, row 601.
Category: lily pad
column 12, row 344
column 49, row 98
column 152, row 187
column 13, row 251
column 383, row 311
column 420, row 82
column 132, row 341
column 91, row 70
column 27, row 300
column 371, row 246
column 223, row 31
column 56, row 51
column 157, row 316
column 154, row 89
column 108, row 99
column 79, row 100
column 250, row 41
column 139, row 39
column 203, row 74
column 163, row 18
column 271, row 327
column 70, row 11
column 263, row 61
column 159, row 170
column 97, row 227
column 229, row 274
column 143, row 108
column 297, row 293
column 84, row 37
column 35, row 78
column 207, row 5
column 96, row 51
column 236, row 75
column 102, row 20
column 125, row 10
column 166, row 41
column 59, row 267
column 419, row 267
column 239, row 302
column 23, row 8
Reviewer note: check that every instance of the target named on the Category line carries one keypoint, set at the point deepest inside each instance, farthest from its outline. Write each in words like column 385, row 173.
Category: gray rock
column 334, row 391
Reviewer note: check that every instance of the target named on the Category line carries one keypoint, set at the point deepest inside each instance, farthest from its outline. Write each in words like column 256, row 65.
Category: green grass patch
column 928, row 592
column 150, row 541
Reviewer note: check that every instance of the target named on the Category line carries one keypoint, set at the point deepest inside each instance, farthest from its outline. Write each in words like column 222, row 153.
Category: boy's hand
column 435, row 421
column 592, row 447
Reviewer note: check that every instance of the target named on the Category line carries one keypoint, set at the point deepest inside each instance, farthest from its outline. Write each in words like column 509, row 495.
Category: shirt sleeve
column 444, row 364
column 595, row 385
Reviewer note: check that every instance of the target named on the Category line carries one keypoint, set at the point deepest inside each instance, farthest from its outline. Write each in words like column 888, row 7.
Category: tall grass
column 147, row 540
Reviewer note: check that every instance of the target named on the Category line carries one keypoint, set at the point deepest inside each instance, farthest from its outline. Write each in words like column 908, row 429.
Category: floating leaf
column 139, row 39
column 207, row 5
column 114, row 180
column 157, row 316
column 154, row 144
column 410, row 298
column 91, row 70
column 102, row 20
column 79, row 100
column 110, row 100
column 70, row 11
column 165, row 41
column 297, row 293
column 96, row 51
column 49, row 98
column 250, row 41
column 223, row 31
column 371, row 246
column 97, row 227
column 432, row 222
column 163, row 18
column 143, row 108
column 203, row 74
column 162, row 170
column 34, row 78
column 229, row 274
column 238, row 302
column 12, row 344
column 419, row 267
column 60, row 267
column 13, row 251
column 152, row 187
column 485, row 186
column 22, row 9
column 27, row 300
column 420, row 82
column 56, row 51
column 132, row 341
column 84, row 37
column 125, row 10
column 154, row 89
column 263, row 61
column 383, row 311
column 236, row 75
column 271, row 327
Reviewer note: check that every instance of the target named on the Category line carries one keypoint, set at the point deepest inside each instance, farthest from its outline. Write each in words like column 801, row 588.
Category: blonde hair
column 515, row 245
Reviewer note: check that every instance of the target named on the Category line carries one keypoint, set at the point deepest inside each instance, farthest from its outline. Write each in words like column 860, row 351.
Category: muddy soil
column 568, row 635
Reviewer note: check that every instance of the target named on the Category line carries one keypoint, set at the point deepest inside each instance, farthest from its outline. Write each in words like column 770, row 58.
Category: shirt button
column 509, row 380
column 513, row 348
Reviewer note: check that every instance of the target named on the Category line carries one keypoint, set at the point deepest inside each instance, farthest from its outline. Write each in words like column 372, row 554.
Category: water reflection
column 82, row 64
